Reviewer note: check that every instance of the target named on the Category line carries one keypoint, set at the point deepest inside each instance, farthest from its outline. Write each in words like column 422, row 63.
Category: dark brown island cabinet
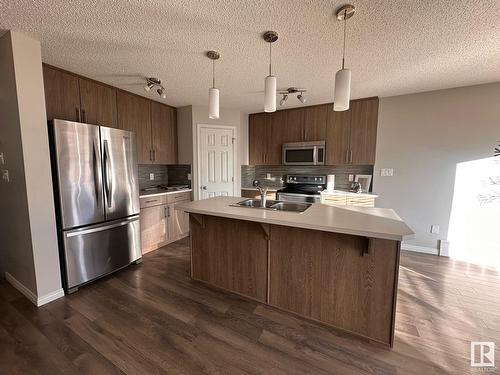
column 330, row 265
column 350, row 135
column 71, row 97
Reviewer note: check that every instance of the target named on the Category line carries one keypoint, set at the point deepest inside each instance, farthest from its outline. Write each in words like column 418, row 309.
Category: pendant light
column 213, row 93
column 270, row 81
column 342, row 93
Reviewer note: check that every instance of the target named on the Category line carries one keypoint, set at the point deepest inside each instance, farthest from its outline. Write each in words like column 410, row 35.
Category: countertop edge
column 144, row 195
column 354, row 232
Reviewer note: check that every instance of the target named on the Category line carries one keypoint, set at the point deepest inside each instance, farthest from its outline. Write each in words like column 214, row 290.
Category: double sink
column 274, row 205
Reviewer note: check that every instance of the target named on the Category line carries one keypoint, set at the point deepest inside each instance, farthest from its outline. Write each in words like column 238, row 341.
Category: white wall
column 188, row 119
column 423, row 136
column 27, row 224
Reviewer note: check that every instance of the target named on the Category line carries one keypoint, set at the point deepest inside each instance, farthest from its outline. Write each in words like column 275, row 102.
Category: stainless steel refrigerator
column 97, row 198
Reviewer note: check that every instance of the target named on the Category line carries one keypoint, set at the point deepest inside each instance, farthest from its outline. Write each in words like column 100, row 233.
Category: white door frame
column 198, row 159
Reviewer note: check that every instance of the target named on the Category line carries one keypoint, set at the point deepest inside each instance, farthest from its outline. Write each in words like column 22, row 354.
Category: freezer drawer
column 97, row 250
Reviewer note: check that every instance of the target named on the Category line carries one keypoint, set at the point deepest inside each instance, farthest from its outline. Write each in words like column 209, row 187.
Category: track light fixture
column 292, row 90
column 152, row 82
column 283, row 100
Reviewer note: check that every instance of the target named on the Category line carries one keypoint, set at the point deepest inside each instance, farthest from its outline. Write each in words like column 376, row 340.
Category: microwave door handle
column 315, row 155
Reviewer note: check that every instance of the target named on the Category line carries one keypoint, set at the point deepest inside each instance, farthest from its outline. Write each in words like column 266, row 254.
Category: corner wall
column 28, row 230
column 423, row 136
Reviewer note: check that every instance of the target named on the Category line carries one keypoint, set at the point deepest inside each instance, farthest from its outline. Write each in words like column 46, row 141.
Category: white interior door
column 216, row 161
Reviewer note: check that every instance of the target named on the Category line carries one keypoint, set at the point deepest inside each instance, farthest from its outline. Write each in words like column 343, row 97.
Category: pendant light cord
column 343, row 51
column 270, row 58
column 213, row 74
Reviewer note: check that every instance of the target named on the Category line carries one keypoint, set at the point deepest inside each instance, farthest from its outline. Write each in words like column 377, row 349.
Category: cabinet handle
column 77, row 114
column 350, row 156
column 150, row 155
column 154, row 154
column 83, row 115
column 168, row 211
column 347, row 156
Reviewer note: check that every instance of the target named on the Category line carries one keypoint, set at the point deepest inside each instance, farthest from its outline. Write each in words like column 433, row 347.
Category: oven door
column 304, row 198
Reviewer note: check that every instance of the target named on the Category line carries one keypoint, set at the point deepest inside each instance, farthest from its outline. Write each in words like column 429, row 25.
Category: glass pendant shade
column 213, row 103
column 270, row 94
column 342, row 93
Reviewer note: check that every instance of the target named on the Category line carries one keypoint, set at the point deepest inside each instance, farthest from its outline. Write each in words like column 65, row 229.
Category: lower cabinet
column 161, row 223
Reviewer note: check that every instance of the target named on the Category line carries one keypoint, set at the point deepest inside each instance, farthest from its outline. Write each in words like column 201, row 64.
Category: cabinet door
column 98, row 103
column 364, row 118
column 178, row 223
column 338, row 130
column 315, row 119
column 258, row 133
column 154, row 229
column 295, row 126
column 62, row 97
column 278, row 136
column 134, row 114
column 164, row 133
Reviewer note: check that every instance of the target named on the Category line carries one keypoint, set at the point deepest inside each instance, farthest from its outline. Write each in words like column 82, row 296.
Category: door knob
column 204, row 187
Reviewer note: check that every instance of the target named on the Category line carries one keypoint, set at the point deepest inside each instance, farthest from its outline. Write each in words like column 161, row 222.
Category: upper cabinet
column 134, row 114
column 350, row 135
column 98, row 103
column 62, row 95
column 154, row 124
column 72, row 98
column 164, row 133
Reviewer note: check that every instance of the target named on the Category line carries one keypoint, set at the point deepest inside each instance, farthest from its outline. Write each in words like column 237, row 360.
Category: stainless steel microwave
column 304, row 153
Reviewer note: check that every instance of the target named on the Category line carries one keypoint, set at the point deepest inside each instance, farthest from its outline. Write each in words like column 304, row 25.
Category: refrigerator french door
column 96, row 185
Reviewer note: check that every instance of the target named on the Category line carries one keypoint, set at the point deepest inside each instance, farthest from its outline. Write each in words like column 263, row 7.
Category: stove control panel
column 305, row 179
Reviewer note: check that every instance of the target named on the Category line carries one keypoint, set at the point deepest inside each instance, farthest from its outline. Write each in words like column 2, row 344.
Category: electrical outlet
column 151, row 176
column 268, row 176
column 387, row 172
column 2, row 159
column 435, row 229
column 189, row 176
column 351, row 178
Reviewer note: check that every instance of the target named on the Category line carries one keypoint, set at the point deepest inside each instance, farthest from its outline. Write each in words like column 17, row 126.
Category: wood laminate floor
column 152, row 319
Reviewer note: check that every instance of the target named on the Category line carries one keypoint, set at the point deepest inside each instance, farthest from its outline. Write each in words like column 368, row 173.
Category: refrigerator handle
column 108, row 185
column 94, row 167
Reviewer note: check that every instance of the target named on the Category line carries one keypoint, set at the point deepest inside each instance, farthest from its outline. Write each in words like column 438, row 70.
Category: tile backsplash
column 278, row 173
column 163, row 175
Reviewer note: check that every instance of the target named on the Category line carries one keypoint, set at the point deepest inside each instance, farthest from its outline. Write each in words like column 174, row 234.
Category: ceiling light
column 213, row 93
column 161, row 91
column 270, row 81
column 342, row 93
column 283, row 100
column 148, row 87
column 301, row 98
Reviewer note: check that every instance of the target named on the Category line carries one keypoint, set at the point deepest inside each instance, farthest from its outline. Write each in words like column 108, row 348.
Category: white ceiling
column 394, row 47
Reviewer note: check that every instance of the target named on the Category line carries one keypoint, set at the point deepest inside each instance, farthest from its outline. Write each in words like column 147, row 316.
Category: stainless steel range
column 302, row 188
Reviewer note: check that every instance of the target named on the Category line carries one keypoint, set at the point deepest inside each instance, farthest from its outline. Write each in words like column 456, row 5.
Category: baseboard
column 419, row 249
column 37, row 301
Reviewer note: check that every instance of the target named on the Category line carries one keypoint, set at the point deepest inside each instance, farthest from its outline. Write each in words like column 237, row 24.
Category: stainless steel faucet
column 263, row 193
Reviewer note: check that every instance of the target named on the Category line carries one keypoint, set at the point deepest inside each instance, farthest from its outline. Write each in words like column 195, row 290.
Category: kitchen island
column 336, row 265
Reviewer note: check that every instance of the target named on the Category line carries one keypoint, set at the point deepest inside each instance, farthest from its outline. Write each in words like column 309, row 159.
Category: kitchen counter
column 337, row 265
column 348, row 193
column 372, row 222
column 157, row 192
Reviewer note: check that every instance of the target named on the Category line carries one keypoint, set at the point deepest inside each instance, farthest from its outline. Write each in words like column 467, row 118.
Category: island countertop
column 372, row 222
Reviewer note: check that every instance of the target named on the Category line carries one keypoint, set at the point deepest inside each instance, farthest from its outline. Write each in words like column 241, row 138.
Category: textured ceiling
column 394, row 47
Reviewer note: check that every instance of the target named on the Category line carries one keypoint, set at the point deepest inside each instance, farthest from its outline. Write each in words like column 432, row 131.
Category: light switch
column 387, row 172
column 435, row 229
column 351, row 178
column 151, row 176
column 5, row 175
